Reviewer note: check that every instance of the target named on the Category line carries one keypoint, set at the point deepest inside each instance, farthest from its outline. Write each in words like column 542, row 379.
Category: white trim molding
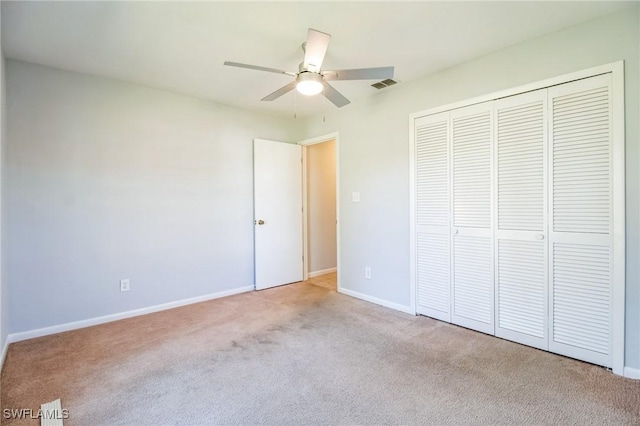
column 413, row 205
column 319, row 139
column 45, row 331
column 322, row 272
column 619, row 216
column 632, row 373
column 3, row 355
column 381, row 302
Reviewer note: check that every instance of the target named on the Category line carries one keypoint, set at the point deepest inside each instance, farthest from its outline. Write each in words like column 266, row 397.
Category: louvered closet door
column 472, row 238
column 521, row 229
column 581, row 207
column 432, row 216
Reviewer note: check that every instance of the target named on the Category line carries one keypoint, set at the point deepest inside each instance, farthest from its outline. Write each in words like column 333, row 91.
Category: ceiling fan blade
column 334, row 96
column 380, row 73
column 315, row 49
column 255, row 67
column 281, row 91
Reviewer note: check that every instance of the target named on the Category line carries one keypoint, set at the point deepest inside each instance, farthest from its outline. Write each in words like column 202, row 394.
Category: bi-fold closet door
column 521, row 267
column 433, row 211
column 581, row 237
column 472, row 303
column 454, row 234
column 514, row 218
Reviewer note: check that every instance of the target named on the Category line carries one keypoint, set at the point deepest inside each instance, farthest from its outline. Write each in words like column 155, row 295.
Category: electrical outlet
column 125, row 284
column 367, row 272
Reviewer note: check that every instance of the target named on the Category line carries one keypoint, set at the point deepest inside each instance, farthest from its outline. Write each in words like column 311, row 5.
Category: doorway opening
column 321, row 209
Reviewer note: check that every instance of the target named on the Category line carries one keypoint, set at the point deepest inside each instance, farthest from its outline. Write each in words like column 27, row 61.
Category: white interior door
column 277, row 213
column 472, row 233
column 521, row 228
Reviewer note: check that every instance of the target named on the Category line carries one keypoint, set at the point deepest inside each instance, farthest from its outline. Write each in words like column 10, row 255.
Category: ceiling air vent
column 384, row 83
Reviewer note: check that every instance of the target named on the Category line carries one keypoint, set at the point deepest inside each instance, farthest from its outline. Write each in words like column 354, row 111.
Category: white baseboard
column 3, row 355
column 24, row 335
column 321, row 272
column 385, row 303
column 632, row 373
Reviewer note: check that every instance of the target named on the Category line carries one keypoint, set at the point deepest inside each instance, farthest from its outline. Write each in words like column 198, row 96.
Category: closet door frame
column 616, row 69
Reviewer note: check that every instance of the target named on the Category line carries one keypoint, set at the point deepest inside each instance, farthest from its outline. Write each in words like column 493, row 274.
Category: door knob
column 455, row 231
column 260, row 222
column 540, row 237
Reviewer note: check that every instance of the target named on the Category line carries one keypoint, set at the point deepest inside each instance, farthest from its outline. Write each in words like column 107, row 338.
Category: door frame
column 616, row 69
column 334, row 136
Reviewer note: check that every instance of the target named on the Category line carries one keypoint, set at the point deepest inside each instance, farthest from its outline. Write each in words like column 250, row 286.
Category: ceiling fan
column 311, row 79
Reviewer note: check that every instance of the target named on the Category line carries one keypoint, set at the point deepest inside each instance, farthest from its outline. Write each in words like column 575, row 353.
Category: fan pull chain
column 324, row 94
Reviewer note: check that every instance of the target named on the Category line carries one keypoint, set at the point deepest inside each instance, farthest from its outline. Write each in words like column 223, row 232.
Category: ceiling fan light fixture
column 311, row 80
column 309, row 83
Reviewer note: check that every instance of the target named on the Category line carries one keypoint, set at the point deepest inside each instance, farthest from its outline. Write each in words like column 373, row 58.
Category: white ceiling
column 180, row 46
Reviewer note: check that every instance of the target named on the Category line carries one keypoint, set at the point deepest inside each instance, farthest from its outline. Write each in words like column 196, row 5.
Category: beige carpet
column 303, row 354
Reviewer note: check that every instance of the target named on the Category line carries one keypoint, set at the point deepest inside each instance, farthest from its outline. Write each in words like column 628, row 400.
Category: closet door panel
column 521, row 292
column 581, row 217
column 433, row 262
column 472, row 238
column 521, row 285
column 473, row 282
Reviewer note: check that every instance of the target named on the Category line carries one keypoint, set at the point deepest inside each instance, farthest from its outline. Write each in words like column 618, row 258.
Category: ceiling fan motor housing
column 302, row 68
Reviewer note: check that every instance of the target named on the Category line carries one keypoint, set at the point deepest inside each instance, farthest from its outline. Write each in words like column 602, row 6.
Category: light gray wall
column 4, row 290
column 108, row 180
column 321, row 202
column 374, row 150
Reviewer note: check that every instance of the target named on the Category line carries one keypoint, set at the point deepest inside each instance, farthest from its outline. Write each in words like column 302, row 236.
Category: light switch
column 355, row 197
